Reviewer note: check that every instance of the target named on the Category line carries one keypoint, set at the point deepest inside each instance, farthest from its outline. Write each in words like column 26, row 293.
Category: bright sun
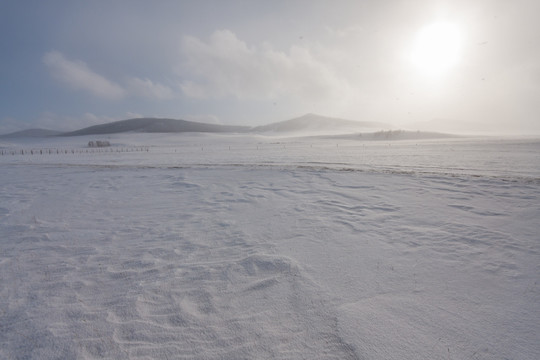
column 437, row 48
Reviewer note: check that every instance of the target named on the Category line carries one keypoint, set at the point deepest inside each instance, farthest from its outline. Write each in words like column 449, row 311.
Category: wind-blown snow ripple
column 151, row 266
column 291, row 256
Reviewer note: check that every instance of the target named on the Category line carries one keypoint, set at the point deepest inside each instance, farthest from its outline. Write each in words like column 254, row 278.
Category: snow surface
column 251, row 247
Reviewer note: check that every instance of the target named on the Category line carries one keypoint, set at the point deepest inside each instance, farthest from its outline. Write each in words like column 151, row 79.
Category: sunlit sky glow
column 437, row 48
column 435, row 65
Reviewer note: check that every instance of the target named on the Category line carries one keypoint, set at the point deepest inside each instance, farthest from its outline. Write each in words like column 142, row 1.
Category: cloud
column 226, row 66
column 77, row 75
column 148, row 89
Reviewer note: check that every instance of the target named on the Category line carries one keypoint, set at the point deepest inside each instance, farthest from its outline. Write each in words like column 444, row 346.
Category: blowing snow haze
column 270, row 179
column 408, row 64
column 309, row 124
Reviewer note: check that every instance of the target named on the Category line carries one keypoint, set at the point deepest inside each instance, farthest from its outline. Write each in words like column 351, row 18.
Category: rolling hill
column 31, row 133
column 318, row 123
column 309, row 123
column 153, row 125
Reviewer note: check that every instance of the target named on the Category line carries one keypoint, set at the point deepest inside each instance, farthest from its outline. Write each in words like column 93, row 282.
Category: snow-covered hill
column 30, row 133
column 312, row 123
column 154, row 125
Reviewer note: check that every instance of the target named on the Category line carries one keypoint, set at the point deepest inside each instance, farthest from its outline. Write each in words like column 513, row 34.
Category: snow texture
column 245, row 247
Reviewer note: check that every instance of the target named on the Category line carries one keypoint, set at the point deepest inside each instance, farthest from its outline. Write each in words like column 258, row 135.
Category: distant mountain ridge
column 309, row 123
column 31, row 133
column 154, row 125
column 318, row 123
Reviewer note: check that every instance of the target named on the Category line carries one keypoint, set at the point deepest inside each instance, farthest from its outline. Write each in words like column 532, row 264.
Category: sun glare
column 437, row 48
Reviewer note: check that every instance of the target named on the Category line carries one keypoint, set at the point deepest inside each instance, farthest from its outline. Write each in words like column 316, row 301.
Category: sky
column 65, row 65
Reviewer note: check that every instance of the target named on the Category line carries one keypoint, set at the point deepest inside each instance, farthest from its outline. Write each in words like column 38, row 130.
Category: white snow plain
column 252, row 247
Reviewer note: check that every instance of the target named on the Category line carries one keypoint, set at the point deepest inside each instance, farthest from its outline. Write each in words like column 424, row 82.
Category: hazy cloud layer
column 226, row 66
column 256, row 62
column 77, row 75
column 148, row 89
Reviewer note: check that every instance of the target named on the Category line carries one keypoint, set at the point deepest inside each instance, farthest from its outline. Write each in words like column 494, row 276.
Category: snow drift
column 220, row 247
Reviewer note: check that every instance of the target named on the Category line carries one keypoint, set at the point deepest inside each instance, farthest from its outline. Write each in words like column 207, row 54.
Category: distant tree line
column 99, row 143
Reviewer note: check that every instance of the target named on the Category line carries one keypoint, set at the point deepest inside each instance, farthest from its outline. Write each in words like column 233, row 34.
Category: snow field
column 145, row 256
